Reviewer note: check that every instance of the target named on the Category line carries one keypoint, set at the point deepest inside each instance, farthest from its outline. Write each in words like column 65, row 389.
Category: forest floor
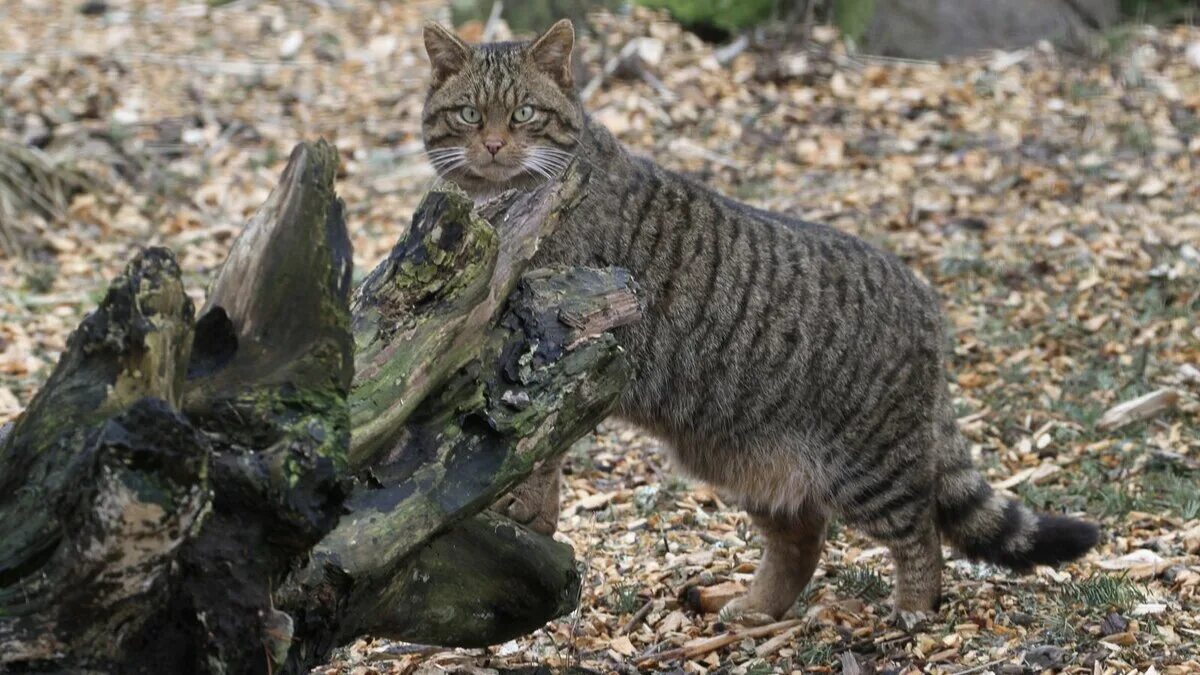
column 1052, row 198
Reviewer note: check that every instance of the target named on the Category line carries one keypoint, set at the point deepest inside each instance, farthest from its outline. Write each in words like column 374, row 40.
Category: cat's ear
column 447, row 53
column 551, row 52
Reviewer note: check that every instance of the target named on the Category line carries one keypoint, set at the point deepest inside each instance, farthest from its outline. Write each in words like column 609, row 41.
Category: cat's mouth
column 495, row 171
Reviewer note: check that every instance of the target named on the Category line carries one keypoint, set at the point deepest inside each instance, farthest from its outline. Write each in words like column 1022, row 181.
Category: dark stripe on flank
column 715, row 261
column 672, row 198
column 748, row 285
column 872, row 509
column 639, row 219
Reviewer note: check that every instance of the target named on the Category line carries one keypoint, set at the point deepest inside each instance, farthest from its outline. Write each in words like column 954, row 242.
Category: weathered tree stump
column 246, row 491
column 102, row 482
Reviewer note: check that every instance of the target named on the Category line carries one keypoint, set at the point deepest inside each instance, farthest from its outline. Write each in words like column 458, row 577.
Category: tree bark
column 328, row 474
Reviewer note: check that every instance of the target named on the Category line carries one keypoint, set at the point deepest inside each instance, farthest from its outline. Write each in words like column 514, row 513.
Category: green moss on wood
column 409, row 314
column 487, row 581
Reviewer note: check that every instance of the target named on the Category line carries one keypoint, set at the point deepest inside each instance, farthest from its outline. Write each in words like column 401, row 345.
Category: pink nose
column 493, row 145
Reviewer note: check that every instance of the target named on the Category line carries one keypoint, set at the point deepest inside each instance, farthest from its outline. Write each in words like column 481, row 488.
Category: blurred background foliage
column 720, row 20
column 716, row 20
column 1161, row 11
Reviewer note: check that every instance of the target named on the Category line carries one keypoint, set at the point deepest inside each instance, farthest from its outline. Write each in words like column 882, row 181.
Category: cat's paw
column 518, row 508
column 744, row 612
column 908, row 620
column 534, row 502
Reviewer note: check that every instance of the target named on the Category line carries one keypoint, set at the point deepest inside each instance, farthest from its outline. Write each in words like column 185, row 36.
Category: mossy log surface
column 543, row 379
column 246, row 491
column 138, row 539
column 418, row 316
column 512, row 579
column 267, row 384
column 101, row 481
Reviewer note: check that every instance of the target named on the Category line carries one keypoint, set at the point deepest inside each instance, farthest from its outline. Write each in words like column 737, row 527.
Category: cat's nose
column 493, row 145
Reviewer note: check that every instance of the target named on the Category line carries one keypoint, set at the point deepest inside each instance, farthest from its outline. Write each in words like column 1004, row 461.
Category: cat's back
column 656, row 222
column 685, row 241
column 751, row 316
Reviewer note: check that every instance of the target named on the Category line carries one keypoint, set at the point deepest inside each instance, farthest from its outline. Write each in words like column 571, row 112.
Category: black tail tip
column 1058, row 539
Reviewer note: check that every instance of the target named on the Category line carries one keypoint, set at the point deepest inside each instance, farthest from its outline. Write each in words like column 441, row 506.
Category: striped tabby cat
column 788, row 364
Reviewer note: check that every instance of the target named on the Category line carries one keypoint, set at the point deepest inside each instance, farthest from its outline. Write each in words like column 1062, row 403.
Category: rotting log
column 152, row 540
column 515, row 578
column 267, row 384
column 543, row 379
column 418, row 316
column 247, row 491
column 101, row 480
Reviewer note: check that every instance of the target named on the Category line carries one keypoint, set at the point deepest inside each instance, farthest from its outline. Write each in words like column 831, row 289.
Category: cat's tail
column 983, row 525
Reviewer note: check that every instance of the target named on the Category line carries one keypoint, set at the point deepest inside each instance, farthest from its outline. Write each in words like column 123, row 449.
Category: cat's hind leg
column 911, row 536
column 793, row 547
column 888, row 494
column 918, row 563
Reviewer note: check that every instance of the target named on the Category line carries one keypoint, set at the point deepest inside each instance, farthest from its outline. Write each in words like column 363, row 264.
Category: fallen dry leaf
column 1140, row 564
column 1140, row 408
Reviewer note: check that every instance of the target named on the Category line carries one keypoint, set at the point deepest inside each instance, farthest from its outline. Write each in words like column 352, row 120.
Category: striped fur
column 791, row 365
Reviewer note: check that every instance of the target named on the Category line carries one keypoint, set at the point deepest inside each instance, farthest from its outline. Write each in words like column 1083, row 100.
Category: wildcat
column 791, row 365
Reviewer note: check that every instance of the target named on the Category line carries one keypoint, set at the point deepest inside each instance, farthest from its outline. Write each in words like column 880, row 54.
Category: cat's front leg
column 534, row 503
column 793, row 548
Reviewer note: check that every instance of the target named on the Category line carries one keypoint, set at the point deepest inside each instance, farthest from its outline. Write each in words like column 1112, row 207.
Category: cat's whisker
column 441, row 156
column 530, row 164
column 547, row 161
column 550, row 172
column 559, row 157
column 552, row 160
column 542, row 166
column 584, row 158
column 446, row 161
column 443, row 162
column 552, row 164
column 550, row 150
column 445, row 167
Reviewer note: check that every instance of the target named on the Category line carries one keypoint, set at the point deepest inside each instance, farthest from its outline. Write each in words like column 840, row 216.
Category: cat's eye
column 470, row 115
column 523, row 114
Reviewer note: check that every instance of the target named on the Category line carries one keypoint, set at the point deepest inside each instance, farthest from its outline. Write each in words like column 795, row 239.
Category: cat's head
column 501, row 114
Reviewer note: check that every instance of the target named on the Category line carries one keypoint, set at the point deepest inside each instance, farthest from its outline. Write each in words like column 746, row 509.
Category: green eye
column 523, row 114
column 470, row 115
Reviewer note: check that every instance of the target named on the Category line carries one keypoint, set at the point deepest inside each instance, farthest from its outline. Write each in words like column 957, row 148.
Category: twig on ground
column 632, row 59
column 849, row 663
column 726, row 54
column 776, row 643
column 637, row 618
column 982, row 667
column 706, row 645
